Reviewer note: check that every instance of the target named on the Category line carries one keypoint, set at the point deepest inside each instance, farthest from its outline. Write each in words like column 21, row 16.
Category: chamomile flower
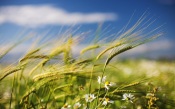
column 89, row 97
column 109, row 84
column 101, row 80
column 106, row 84
column 107, row 101
column 128, row 97
column 77, row 105
column 66, row 106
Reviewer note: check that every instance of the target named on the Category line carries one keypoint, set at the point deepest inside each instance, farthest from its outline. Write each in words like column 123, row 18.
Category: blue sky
column 51, row 15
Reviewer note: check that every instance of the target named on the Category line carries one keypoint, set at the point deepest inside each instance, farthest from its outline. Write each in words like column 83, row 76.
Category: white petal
column 104, row 103
column 111, row 102
column 104, row 79
column 99, row 79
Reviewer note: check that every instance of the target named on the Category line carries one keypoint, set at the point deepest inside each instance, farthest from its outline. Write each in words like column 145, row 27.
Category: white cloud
column 160, row 48
column 32, row 15
column 155, row 46
column 156, row 49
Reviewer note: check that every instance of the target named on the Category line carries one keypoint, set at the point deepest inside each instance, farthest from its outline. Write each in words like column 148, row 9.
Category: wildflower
column 106, row 101
column 109, row 84
column 77, row 105
column 128, row 97
column 89, row 97
column 101, row 80
column 66, row 106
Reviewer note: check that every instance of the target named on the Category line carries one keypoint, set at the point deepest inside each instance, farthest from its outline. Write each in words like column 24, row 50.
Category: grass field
column 49, row 76
column 138, row 77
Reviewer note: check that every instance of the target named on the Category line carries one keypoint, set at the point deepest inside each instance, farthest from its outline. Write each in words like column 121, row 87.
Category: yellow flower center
column 107, row 99
column 90, row 98
column 107, row 83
